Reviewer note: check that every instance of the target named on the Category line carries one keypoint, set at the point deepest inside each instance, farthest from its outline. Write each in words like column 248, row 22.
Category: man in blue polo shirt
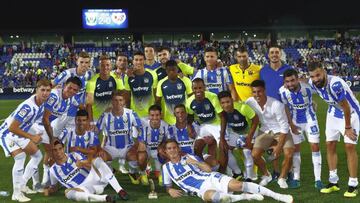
column 272, row 73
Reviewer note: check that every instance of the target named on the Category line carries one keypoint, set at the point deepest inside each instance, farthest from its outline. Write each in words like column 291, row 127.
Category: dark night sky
column 152, row 15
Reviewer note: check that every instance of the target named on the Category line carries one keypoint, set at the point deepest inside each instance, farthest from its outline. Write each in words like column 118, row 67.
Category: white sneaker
column 38, row 188
column 257, row 197
column 20, row 197
column 27, row 190
column 286, row 198
column 282, row 183
column 123, row 170
column 265, row 180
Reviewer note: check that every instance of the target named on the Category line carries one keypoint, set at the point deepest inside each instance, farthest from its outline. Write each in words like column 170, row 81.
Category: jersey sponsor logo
column 243, row 84
column 205, row 115
column 140, row 89
column 242, row 124
column 300, row 106
column 118, row 132
column 185, row 175
column 186, row 143
column 71, row 175
column 213, row 85
column 102, row 94
column 177, row 96
column 23, row 112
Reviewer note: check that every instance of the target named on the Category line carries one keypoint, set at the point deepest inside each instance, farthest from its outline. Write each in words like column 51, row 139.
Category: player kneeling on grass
column 85, row 179
column 116, row 126
column 154, row 132
column 194, row 176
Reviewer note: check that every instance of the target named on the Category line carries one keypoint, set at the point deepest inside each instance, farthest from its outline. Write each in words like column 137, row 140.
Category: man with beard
column 342, row 119
column 244, row 73
column 297, row 96
column 164, row 56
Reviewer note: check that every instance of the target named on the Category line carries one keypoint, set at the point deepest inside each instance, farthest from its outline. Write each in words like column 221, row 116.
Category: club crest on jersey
column 207, row 107
column 236, row 117
column 86, row 138
column 179, row 86
column 125, row 119
column 251, row 72
column 146, row 80
column 111, row 84
column 218, row 72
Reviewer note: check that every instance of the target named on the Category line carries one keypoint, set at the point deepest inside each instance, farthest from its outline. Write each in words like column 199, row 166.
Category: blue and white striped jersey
column 71, row 139
column 68, row 174
column 153, row 136
column 300, row 103
column 334, row 91
column 59, row 106
column 216, row 80
column 185, row 142
column 187, row 176
column 27, row 113
column 81, row 95
column 118, row 128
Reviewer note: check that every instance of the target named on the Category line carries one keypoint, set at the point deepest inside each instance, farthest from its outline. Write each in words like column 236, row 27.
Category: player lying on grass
column 194, row 176
column 85, row 179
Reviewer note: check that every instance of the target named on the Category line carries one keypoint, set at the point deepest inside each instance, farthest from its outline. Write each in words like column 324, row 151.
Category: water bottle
column 241, row 141
column 4, row 193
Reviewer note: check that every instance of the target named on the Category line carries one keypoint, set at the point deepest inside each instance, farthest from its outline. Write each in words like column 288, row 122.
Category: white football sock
column 255, row 188
column 333, row 177
column 249, row 163
column 18, row 172
column 45, row 178
column 32, row 165
column 107, row 174
column 296, row 165
column 232, row 163
column 316, row 160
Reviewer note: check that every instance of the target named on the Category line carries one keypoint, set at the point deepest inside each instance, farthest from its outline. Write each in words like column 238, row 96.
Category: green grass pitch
column 139, row 193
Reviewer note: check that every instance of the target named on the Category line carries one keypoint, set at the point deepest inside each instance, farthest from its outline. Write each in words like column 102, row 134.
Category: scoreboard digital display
column 105, row 18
